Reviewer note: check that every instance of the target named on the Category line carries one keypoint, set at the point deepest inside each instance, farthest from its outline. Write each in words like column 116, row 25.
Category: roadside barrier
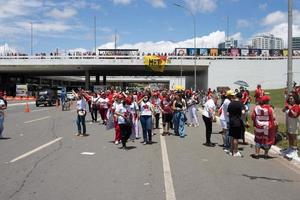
column 11, row 98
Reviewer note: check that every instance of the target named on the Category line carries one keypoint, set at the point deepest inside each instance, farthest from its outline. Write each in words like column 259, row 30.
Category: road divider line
column 35, row 150
column 39, row 119
column 169, row 187
column 45, row 109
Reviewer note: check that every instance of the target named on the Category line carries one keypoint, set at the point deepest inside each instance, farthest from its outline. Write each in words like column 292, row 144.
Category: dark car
column 46, row 98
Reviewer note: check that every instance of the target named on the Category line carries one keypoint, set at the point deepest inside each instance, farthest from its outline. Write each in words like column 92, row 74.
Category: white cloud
column 209, row 41
column 202, row 6
column 242, row 23
column 58, row 27
column 122, row 2
column 62, row 14
column 157, row 3
column 4, row 49
column 274, row 18
column 263, row 6
column 15, row 8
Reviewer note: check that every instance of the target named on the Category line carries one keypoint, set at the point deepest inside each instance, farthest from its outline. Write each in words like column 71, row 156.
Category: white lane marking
column 35, row 150
column 39, row 119
column 45, row 109
column 18, row 104
column 88, row 153
column 169, row 187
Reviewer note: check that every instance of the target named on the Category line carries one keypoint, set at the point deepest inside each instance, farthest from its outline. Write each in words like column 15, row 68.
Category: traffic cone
column 26, row 108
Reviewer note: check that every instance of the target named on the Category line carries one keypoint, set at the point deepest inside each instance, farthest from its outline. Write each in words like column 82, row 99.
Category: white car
column 70, row 96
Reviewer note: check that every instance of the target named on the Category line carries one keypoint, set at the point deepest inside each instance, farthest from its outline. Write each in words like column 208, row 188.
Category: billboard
column 234, row 52
column 254, row 52
column 244, row 52
column 276, row 52
column 181, row 51
column 265, row 52
column 213, row 52
column 203, row 52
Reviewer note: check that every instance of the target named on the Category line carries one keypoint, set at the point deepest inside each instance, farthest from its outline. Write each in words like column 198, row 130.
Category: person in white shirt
column 146, row 111
column 103, row 107
column 208, row 116
column 94, row 106
column 224, row 119
column 81, row 113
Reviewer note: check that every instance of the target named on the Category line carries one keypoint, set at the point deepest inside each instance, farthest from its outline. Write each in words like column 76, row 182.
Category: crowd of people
column 134, row 115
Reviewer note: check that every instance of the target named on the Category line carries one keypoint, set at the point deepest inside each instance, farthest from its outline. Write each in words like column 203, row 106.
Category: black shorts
column 167, row 118
column 236, row 132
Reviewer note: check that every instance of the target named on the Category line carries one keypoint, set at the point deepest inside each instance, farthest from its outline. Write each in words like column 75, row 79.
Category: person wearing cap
column 264, row 126
column 118, row 100
column 146, row 111
column 224, row 119
column 236, row 126
column 292, row 110
column 3, row 106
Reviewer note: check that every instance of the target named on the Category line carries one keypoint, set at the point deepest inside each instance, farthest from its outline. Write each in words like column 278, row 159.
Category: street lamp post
column 195, row 52
column 31, row 39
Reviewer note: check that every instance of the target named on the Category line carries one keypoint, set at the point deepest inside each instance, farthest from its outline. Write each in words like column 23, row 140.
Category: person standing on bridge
column 3, row 106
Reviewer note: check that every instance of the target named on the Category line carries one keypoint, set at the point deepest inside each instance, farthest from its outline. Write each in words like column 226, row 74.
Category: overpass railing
column 101, row 57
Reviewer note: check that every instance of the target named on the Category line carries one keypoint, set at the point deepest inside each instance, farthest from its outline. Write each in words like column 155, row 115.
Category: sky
column 148, row 25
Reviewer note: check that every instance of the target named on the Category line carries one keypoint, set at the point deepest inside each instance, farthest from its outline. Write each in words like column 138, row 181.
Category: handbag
column 81, row 112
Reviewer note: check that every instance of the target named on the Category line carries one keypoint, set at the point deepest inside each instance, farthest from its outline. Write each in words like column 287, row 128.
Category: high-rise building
column 267, row 42
column 296, row 43
column 228, row 44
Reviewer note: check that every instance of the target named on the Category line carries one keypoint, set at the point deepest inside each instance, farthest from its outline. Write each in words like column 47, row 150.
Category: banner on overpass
column 155, row 63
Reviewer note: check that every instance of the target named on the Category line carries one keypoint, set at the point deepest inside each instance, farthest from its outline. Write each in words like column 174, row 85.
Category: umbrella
column 241, row 83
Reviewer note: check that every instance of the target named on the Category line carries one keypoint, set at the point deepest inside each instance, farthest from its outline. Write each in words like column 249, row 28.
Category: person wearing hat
column 224, row 119
column 264, row 126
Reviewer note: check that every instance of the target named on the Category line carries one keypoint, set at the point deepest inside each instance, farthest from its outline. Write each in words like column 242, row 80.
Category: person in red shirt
column 259, row 93
column 167, row 112
column 292, row 110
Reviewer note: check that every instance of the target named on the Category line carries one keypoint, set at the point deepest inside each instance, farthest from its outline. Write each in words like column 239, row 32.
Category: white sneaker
column 226, row 150
column 116, row 142
column 286, row 151
column 292, row 154
column 237, row 154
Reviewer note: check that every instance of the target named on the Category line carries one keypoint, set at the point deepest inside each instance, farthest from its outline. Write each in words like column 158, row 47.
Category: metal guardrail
column 101, row 57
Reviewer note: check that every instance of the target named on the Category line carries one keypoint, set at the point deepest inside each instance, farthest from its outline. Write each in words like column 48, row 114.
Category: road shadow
column 5, row 138
column 268, row 157
column 128, row 148
column 269, row 179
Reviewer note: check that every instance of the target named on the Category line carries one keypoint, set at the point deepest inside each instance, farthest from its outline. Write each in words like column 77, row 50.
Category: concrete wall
column 271, row 74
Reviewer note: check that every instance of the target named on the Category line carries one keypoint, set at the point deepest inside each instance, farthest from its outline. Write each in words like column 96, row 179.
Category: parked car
column 46, row 98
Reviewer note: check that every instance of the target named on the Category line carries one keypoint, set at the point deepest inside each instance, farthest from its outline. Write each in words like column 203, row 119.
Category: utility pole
column 31, row 39
column 95, row 34
column 290, row 50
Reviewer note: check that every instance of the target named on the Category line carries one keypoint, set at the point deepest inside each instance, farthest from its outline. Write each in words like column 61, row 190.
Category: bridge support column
column 104, row 80
column 87, row 79
column 97, row 79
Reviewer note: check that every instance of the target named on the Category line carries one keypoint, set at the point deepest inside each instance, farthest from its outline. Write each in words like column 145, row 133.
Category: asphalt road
column 185, row 170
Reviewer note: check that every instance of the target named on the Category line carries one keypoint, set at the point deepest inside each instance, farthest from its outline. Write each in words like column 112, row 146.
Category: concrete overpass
column 103, row 66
